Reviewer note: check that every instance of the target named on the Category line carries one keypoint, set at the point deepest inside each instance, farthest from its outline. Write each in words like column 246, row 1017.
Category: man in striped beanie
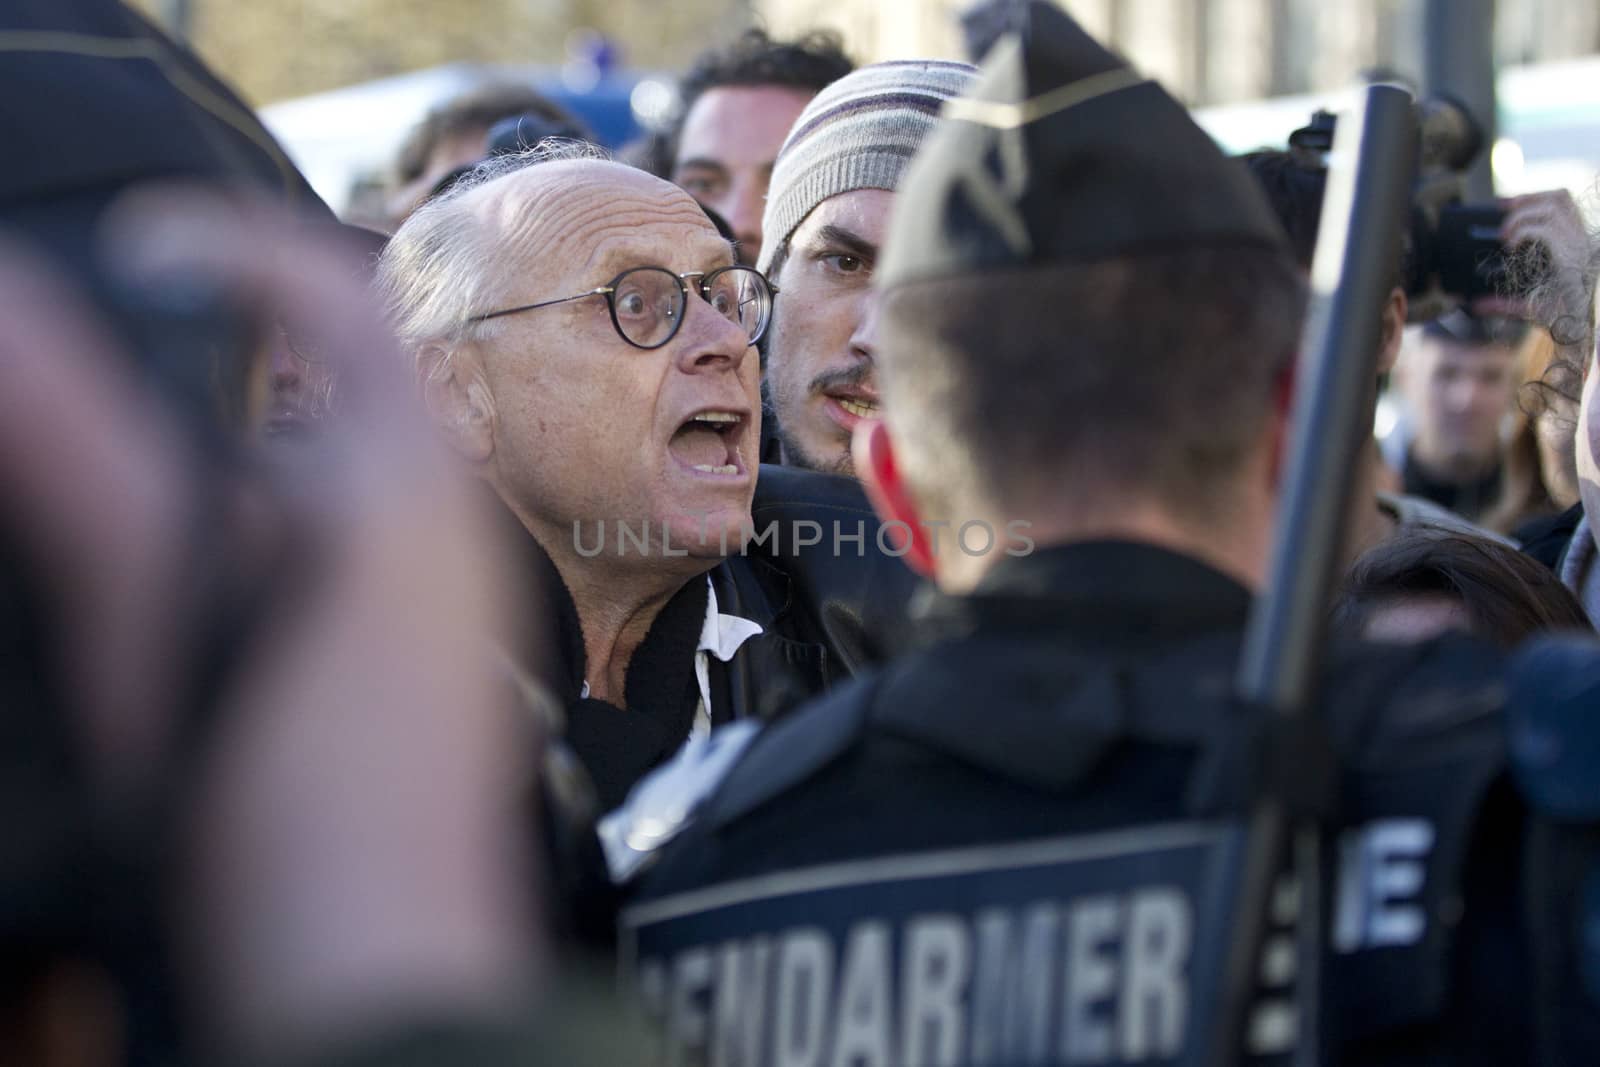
column 827, row 213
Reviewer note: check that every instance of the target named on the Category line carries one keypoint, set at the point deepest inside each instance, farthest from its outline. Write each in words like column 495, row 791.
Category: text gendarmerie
column 1096, row 979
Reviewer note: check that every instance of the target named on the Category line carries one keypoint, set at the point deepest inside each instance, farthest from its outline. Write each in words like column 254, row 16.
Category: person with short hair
column 827, row 212
column 1422, row 583
column 736, row 107
column 586, row 342
column 454, row 136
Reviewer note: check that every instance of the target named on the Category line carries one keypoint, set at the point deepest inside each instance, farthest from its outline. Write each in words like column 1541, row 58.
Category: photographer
column 295, row 936
column 225, row 685
column 1294, row 186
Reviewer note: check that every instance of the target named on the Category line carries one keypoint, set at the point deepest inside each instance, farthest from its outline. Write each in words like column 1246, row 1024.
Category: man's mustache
column 858, row 374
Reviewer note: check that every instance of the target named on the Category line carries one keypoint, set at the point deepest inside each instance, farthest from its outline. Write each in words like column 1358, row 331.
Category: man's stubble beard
column 796, row 456
column 793, row 453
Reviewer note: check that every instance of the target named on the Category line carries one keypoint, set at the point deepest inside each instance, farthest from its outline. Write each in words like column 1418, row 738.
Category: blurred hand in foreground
column 357, row 857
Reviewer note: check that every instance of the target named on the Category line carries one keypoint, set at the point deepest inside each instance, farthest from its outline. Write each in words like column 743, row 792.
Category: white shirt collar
column 721, row 635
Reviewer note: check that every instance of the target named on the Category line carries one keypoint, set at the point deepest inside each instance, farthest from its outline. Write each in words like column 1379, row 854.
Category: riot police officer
column 1009, row 846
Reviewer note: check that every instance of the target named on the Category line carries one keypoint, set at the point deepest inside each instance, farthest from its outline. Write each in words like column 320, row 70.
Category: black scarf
column 619, row 745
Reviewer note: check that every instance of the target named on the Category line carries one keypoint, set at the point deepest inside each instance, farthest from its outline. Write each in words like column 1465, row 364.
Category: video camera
column 1453, row 254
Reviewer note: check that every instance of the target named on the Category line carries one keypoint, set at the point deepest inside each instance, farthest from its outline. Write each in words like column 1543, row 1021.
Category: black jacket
column 992, row 776
column 822, row 614
column 828, row 609
column 1546, row 539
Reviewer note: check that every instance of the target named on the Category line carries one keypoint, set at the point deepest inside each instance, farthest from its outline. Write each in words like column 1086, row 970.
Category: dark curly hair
column 811, row 62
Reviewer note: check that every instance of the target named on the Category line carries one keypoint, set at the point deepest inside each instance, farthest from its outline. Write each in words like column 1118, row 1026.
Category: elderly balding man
column 586, row 341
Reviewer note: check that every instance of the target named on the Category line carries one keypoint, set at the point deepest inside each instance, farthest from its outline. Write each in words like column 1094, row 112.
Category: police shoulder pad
column 660, row 806
column 717, row 779
column 794, row 749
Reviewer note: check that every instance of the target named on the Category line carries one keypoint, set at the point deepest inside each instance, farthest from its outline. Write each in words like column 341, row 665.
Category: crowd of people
column 799, row 562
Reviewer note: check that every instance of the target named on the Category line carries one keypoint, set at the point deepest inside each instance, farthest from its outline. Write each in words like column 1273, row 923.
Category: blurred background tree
column 277, row 49
column 1216, row 55
column 1208, row 51
column 1220, row 51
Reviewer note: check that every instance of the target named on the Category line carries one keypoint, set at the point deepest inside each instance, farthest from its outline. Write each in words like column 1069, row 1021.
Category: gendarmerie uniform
column 1013, row 844
column 1036, row 790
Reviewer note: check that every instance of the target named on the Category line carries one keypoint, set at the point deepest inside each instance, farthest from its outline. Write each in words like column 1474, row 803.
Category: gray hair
column 438, row 268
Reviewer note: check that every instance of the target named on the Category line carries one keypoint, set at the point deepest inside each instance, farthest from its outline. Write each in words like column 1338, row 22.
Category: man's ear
column 876, row 466
column 458, row 397
column 1394, row 328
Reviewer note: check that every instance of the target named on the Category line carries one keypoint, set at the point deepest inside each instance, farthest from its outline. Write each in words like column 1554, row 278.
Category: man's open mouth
column 708, row 442
column 860, row 409
column 851, row 404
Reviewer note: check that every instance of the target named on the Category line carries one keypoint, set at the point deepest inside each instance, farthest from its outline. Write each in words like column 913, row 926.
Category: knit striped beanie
column 858, row 133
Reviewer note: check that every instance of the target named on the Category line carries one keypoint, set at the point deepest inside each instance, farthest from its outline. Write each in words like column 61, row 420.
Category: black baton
column 1370, row 171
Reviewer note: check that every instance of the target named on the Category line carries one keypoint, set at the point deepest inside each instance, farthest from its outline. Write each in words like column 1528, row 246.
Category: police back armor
column 1013, row 847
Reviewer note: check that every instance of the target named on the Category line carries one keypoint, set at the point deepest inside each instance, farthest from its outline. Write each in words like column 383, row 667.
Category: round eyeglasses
column 647, row 303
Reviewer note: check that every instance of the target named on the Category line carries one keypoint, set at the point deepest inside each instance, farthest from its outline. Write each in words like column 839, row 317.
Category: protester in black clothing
column 587, row 343
column 1005, row 846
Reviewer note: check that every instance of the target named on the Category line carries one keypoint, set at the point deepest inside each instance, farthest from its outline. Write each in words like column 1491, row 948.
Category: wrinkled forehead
column 587, row 220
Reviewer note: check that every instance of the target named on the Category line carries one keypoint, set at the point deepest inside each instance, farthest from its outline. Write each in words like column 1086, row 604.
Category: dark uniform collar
column 1469, row 499
column 1103, row 589
column 1069, row 651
